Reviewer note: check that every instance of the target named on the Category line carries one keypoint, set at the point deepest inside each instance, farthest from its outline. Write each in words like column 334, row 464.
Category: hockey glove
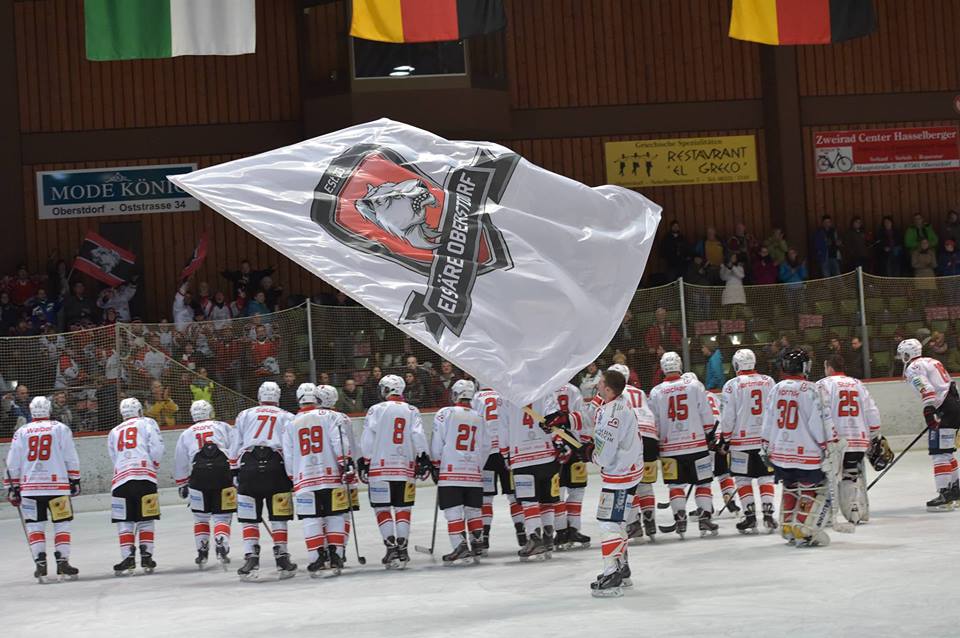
column 564, row 452
column 930, row 416
column 585, row 453
column 435, row 472
column 74, row 487
column 13, row 495
column 424, row 467
column 559, row 419
column 363, row 470
column 184, row 491
column 880, row 453
column 347, row 470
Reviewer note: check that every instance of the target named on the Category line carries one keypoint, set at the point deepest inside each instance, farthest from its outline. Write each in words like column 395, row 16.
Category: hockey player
column 683, row 416
column 721, row 459
column 136, row 448
column 573, row 472
column 262, row 481
column 316, row 457
column 618, row 451
column 744, row 399
column 488, row 404
column 43, row 472
column 856, row 418
column 802, row 448
column 941, row 411
column 394, row 454
column 202, row 471
column 327, row 398
column 457, row 448
column 532, row 457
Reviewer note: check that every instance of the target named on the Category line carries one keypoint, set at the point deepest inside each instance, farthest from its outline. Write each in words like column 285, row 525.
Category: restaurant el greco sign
column 682, row 161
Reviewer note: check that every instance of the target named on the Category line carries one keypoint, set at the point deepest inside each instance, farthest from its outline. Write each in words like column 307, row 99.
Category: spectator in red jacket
column 23, row 287
column 661, row 337
column 763, row 270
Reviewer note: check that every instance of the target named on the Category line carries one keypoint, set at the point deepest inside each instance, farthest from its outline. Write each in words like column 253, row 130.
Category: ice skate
column 483, row 545
column 335, row 561
column 391, row 560
column 126, row 566
column 730, row 505
column 285, row 568
column 625, row 580
column 403, row 555
column 707, row 526
column 576, row 540
column 146, row 560
column 635, row 530
column 203, row 555
column 65, row 571
column 534, row 547
column 548, row 540
column 250, row 570
column 680, row 523
column 223, row 553
column 461, row 555
column 316, row 568
column 607, row 585
column 521, row 534
column 560, row 541
column 40, row 573
column 476, row 545
column 749, row 523
column 769, row 522
column 650, row 524
column 944, row 502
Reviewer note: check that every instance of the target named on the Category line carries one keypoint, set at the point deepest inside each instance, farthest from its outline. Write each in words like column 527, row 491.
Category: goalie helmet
column 40, row 408
column 462, row 390
column 744, row 360
column 327, row 396
column 130, row 407
column 671, row 363
column 908, row 350
column 269, row 392
column 306, row 393
column 796, row 362
column 201, row 410
column 391, row 385
column 622, row 369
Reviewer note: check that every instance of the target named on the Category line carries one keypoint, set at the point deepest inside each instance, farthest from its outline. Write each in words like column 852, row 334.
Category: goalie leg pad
column 852, row 498
column 812, row 510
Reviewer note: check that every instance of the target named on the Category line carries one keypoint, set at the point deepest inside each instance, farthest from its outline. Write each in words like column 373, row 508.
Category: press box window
column 377, row 60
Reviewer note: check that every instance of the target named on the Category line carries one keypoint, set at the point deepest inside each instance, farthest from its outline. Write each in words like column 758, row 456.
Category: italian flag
column 136, row 29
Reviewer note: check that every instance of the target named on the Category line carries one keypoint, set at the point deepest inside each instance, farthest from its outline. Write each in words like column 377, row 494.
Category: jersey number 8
column 399, row 424
column 38, row 447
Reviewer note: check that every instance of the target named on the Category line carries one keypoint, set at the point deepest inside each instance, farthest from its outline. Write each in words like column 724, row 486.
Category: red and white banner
column 196, row 259
column 104, row 260
column 927, row 149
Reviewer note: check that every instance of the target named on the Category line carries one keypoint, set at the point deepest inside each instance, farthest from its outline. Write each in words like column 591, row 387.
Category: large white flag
column 515, row 274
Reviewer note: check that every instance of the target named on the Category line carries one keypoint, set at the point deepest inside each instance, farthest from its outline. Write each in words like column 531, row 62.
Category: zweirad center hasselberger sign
column 120, row 190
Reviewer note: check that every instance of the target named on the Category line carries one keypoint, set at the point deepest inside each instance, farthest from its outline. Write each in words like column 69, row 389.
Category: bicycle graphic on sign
column 834, row 161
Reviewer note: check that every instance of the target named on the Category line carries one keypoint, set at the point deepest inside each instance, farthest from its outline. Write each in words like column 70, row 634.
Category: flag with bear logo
column 515, row 274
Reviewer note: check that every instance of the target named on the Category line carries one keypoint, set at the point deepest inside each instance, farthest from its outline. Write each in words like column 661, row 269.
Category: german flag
column 425, row 20
column 801, row 21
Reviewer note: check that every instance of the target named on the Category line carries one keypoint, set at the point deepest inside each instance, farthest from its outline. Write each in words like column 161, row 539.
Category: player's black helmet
column 796, row 362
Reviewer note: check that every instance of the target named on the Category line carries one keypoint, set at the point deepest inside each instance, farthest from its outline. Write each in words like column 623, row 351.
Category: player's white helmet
column 462, row 390
column 40, row 408
column 269, row 392
column 201, row 410
column 130, row 407
column 671, row 362
column 327, row 396
column 690, row 376
column 622, row 369
column 908, row 350
column 391, row 385
column 306, row 393
column 744, row 359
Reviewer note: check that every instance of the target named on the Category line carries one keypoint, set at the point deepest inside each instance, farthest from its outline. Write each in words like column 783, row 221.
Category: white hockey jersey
column 392, row 440
column 618, row 447
column 793, row 425
column 744, row 398
column 930, row 379
column 136, row 448
column 42, row 459
column 458, row 446
column 851, row 408
column 262, row 425
column 522, row 440
column 488, row 404
column 570, row 400
column 682, row 413
column 315, row 445
column 641, row 408
column 194, row 438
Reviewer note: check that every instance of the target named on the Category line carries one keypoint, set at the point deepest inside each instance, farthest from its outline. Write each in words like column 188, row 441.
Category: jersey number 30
column 789, row 414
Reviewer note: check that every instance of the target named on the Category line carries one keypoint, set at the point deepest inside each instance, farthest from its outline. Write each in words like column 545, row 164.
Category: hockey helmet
column 622, row 369
column 671, row 363
column 201, row 410
column 462, row 390
column 391, row 385
column 40, row 408
column 908, row 350
column 306, row 394
column 744, row 360
column 269, row 392
column 130, row 407
column 796, row 361
column 327, row 396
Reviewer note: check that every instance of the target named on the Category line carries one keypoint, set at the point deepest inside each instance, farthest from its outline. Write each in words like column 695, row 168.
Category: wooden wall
column 61, row 91
column 916, row 48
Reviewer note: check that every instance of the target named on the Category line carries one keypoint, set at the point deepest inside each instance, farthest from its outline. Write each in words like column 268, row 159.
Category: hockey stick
column 667, row 529
column 563, row 434
column 433, row 538
column 353, row 523
column 899, row 456
column 23, row 524
column 666, row 506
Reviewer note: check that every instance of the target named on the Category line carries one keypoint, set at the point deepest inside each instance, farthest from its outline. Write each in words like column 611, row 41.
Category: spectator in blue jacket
column 793, row 272
column 826, row 247
column 949, row 259
column 715, row 379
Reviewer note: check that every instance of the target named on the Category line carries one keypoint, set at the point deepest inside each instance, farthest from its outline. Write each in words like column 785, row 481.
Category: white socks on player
column 336, row 536
column 531, row 517
column 145, row 532
column 37, row 537
column 574, row 503
column 385, row 522
column 944, row 470
column 703, row 496
column 402, row 519
column 125, row 532
column 456, row 525
column 251, row 537
column 61, row 538
column 745, row 491
column 313, row 534
column 547, row 516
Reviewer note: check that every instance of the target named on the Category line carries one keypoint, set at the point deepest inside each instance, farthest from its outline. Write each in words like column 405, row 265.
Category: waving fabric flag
column 515, row 274
column 196, row 259
column 801, row 21
column 425, row 20
column 104, row 260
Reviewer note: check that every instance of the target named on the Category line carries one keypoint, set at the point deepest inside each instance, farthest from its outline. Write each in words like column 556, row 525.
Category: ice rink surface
column 896, row 576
